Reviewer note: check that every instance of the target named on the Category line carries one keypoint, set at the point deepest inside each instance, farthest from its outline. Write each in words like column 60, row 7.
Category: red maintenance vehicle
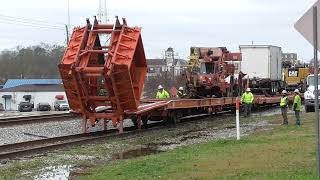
column 210, row 73
column 105, row 81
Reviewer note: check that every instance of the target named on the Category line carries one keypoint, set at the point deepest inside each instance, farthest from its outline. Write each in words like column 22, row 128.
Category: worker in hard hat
column 247, row 99
column 284, row 107
column 181, row 93
column 297, row 107
column 162, row 94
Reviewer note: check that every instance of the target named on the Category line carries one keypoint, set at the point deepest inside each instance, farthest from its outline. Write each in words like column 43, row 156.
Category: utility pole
column 67, row 34
column 68, row 17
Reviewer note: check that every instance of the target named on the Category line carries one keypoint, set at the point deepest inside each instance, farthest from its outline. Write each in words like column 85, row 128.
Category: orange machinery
column 105, row 81
column 118, row 69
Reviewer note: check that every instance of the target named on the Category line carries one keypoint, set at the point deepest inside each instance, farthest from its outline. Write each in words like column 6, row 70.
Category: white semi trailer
column 262, row 64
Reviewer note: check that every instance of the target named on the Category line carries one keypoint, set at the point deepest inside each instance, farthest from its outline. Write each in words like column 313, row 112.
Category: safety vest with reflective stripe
column 247, row 98
column 162, row 95
column 181, row 94
column 297, row 100
column 284, row 101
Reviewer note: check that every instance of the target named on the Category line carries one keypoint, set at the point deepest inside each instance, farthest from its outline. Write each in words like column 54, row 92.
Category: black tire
column 309, row 109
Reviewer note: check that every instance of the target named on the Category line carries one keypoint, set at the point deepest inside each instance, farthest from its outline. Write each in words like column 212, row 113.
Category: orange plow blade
column 108, row 75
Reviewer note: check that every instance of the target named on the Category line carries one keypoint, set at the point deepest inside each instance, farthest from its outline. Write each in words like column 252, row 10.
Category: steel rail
column 16, row 150
column 22, row 120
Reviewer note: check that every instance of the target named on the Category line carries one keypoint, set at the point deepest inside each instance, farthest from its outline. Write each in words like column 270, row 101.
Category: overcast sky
column 176, row 23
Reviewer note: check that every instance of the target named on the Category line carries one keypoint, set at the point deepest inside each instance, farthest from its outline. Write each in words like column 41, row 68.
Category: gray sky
column 179, row 24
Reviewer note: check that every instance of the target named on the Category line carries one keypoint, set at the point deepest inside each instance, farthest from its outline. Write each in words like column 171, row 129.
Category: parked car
column 25, row 106
column 43, row 106
column 1, row 107
column 61, row 105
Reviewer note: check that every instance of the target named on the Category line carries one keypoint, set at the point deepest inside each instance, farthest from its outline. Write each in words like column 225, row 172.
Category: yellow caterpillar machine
column 294, row 78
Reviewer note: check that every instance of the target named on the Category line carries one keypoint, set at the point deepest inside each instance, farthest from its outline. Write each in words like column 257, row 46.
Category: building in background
column 171, row 63
column 32, row 90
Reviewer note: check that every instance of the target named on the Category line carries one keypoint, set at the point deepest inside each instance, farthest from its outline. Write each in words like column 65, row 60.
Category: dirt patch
column 189, row 137
column 133, row 153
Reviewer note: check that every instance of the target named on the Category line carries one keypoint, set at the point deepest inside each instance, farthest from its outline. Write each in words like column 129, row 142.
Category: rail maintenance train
column 119, row 69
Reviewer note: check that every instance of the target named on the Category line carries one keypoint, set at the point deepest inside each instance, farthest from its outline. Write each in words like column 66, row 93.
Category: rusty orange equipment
column 97, row 75
column 209, row 67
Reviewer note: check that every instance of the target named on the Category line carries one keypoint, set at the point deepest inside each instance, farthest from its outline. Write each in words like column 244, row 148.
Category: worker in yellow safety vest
column 162, row 94
column 284, row 107
column 297, row 106
column 181, row 93
column 247, row 99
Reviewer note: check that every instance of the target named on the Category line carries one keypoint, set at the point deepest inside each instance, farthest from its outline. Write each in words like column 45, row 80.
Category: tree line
column 166, row 79
column 41, row 61
column 38, row 61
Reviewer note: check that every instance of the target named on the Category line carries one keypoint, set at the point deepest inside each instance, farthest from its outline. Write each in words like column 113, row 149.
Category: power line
column 34, row 20
column 30, row 25
column 30, row 22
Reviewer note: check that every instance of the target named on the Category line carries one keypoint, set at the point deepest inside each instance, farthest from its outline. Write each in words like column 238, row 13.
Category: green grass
column 286, row 152
column 14, row 170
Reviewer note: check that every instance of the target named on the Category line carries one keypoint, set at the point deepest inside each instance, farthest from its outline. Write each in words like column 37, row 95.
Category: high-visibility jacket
column 162, row 95
column 297, row 103
column 181, row 94
column 247, row 98
column 284, row 101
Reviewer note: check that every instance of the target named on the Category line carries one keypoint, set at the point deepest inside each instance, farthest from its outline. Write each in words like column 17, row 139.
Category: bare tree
column 40, row 61
column 166, row 79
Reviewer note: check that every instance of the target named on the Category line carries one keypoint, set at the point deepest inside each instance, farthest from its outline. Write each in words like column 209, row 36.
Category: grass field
column 286, row 152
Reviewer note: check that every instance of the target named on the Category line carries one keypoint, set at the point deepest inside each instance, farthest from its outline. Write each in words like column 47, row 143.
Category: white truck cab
column 309, row 95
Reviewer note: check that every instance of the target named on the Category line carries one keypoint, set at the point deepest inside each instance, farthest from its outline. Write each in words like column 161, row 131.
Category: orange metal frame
column 119, row 68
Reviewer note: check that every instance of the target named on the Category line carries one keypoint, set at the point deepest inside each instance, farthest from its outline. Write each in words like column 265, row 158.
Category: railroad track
column 17, row 150
column 22, row 120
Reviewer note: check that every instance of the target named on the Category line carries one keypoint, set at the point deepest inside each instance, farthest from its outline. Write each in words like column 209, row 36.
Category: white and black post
column 237, row 117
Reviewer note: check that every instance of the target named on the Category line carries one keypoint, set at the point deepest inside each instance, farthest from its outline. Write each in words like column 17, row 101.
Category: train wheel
column 144, row 121
column 173, row 117
column 134, row 121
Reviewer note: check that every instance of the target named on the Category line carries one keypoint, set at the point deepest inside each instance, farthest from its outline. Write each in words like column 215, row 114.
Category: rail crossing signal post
column 308, row 26
column 316, row 71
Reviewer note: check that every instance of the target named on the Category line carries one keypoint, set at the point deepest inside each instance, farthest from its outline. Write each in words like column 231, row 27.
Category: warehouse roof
column 156, row 62
column 161, row 62
column 35, row 88
column 17, row 82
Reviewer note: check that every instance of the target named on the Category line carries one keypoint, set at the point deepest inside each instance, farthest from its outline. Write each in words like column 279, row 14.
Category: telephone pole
column 68, row 17
column 67, row 34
